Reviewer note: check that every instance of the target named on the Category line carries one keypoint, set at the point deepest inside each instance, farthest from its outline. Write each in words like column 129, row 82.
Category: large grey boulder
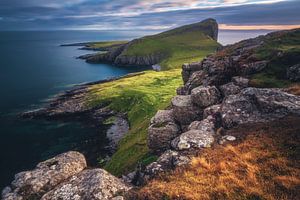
column 184, row 111
column 196, row 79
column 293, row 73
column 258, row 105
column 193, row 139
column 92, row 184
column 48, row 174
column 240, row 81
column 162, row 131
column 205, row 96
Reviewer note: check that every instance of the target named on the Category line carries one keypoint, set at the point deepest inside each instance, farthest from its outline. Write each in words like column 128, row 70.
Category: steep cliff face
column 163, row 47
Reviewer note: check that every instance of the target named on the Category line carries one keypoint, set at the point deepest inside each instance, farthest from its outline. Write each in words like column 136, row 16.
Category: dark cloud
column 129, row 14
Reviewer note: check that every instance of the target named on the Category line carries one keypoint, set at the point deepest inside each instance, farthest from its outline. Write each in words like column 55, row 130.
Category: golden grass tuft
column 262, row 164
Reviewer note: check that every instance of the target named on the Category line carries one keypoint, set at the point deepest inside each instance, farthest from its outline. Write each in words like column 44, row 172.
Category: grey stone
column 46, row 175
column 193, row 139
column 293, row 73
column 205, row 96
column 230, row 89
column 92, row 184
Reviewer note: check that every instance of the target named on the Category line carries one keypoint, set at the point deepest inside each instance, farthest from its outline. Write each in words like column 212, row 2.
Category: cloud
column 143, row 14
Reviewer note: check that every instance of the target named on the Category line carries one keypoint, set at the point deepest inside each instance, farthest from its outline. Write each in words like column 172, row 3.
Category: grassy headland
column 141, row 96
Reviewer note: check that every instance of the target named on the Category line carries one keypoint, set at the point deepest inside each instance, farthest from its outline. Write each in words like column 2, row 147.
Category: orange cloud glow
column 257, row 27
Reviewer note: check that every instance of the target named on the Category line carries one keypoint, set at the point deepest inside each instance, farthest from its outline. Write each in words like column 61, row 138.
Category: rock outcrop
column 64, row 177
column 216, row 96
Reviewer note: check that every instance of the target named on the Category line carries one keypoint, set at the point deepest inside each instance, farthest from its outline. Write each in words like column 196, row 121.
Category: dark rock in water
column 48, row 174
column 293, row 73
column 258, row 105
column 205, row 96
column 184, row 111
column 93, row 184
column 162, row 131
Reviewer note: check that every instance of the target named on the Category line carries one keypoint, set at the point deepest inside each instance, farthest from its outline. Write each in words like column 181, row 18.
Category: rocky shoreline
column 217, row 96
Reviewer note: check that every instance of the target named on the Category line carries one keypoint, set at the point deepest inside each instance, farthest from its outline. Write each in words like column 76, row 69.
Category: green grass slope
column 183, row 44
column 142, row 95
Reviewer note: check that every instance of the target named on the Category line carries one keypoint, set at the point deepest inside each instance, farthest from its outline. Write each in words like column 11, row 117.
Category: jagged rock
column 48, row 174
column 184, row 111
column 167, row 161
column 211, row 111
column 258, row 105
column 162, row 131
column 206, row 125
column 293, row 73
column 240, row 81
column 205, row 96
column 229, row 89
column 193, row 139
column 92, row 184
column 251, row 68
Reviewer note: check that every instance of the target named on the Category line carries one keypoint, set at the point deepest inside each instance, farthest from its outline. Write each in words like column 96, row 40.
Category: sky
column 146, row 14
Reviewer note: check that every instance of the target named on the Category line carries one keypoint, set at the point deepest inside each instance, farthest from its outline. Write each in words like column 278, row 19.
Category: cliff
column 164, row 49
column 223, row 96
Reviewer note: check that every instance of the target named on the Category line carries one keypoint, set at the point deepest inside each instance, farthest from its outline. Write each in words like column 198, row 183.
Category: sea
column 34, row 68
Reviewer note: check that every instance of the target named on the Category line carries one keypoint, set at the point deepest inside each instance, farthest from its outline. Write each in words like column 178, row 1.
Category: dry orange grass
column 262, row 164
column 294, row 89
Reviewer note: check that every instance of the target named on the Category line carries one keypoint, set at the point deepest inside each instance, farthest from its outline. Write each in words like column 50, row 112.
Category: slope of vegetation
column 263, row 164
column 283, row 51
column 175, row 46
column 140, row 97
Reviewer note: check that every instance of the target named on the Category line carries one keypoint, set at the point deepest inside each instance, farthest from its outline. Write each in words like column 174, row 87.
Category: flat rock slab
column 193, row 138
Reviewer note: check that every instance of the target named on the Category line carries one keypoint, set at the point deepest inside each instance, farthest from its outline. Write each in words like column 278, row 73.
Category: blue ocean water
column 33, row 67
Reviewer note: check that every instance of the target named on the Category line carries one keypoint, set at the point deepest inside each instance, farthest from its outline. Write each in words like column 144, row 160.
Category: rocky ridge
column 216, row 96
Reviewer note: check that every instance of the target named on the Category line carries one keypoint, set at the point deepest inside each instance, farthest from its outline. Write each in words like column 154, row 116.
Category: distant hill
column 169, row 49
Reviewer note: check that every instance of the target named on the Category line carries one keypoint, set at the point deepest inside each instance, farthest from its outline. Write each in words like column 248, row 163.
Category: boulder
column 240, row 81
column 230, row 89
column 92, row 184
column 258, row 105
column 193, row 139
column 184, row 111
column 293, row 73
column 48, row 174
column 167, row 161
column 206, row 125
column 254, row 67
column 211, row 110
column 196, row 79
column 162, row 131
column 205, row 96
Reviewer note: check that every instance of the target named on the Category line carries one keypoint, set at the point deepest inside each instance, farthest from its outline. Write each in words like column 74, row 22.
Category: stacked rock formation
column 216, row 96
